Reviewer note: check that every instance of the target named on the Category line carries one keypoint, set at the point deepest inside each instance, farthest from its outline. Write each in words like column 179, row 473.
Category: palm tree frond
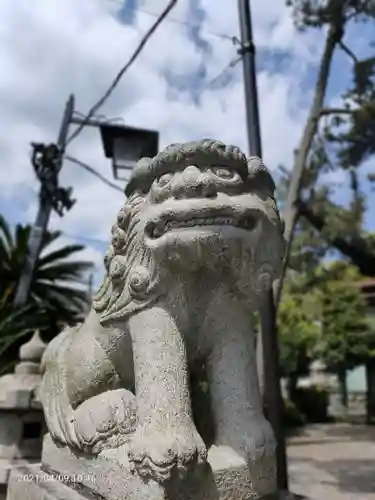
column 61, row 253
column 5, row 233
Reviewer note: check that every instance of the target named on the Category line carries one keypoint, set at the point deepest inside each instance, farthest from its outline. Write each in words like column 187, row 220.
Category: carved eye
column 224, row 173
column 164, row 179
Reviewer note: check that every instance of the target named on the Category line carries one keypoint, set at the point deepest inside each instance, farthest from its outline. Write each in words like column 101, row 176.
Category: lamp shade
column 126, row 145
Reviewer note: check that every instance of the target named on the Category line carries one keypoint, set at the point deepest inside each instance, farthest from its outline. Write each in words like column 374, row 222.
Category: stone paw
column 259, row 442
column 105, row 420
column 157, row 453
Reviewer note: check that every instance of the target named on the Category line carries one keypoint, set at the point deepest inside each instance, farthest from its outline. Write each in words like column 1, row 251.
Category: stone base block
column 225, row 477
column 29, row 482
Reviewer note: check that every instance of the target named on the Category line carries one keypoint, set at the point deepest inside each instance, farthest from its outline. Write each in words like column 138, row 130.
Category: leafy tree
column 298, row 334
column 336, row 138
column 56, row 296
column 346, row 339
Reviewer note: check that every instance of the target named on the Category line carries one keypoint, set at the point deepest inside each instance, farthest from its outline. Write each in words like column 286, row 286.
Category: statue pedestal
column 30, row 483
column 71, row 476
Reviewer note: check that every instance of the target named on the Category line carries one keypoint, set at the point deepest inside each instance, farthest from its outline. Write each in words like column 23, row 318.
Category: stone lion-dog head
column 199, row 207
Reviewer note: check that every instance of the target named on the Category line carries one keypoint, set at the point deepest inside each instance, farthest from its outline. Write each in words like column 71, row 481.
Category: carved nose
column 193, row 183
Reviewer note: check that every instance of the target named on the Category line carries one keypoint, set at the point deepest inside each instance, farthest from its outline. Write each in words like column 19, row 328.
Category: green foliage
column 298, row 332
column 335, row 140
column 344, row 138
column 14, row 327
column 292, row 416
column 56, row 276
column 323, row 315
column 56, row 295
column 346, row 339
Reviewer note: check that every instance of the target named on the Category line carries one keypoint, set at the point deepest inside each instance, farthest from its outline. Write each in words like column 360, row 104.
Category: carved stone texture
column 30, row 483
column 193, row 249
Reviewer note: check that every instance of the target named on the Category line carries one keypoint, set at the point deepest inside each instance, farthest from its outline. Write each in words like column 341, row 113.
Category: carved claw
column 157, row 454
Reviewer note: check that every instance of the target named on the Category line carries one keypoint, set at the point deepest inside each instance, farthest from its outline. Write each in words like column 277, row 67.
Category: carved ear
column 259, row 177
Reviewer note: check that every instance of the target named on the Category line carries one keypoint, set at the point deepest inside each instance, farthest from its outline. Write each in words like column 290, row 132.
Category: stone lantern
column 21, row 415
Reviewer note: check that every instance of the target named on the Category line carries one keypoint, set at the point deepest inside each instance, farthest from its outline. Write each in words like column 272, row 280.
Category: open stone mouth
column 157, row 229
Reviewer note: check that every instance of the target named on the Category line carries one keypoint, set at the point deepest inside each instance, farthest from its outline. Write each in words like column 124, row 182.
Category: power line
column 232, row 63
column 224, row 71
column 118, row 77
column 93, row 172
column 101, row 117
column 229, row 66
column 188, row 25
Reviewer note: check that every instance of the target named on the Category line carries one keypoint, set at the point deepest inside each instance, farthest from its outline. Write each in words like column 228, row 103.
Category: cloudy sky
column 51, row 48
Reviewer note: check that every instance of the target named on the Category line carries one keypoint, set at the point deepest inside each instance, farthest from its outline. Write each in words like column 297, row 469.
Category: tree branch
column 357, row 249
column 349, row 52
column 336, row 111
column 303, row 150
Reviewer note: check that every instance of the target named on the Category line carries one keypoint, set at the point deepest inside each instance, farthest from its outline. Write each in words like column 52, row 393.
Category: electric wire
column 188, row 25
column 94, row 172
column 224, row 71
column 123, row 70
column 228, row 67
column 103, row 117
column 208, row 86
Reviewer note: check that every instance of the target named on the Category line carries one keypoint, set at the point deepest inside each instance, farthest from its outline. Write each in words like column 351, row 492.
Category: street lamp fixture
column 126, row 145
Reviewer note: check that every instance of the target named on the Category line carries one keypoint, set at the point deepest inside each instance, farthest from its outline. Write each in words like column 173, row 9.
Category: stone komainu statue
column 195, row 246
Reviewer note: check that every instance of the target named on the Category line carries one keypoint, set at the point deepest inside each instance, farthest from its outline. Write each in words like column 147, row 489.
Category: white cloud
column 50, row 49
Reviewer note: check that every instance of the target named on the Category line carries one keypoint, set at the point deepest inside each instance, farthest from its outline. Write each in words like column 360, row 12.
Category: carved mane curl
column 131, row 276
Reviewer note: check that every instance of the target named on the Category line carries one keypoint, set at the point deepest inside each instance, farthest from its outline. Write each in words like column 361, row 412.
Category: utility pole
column 268, row 341
column 47, row 161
